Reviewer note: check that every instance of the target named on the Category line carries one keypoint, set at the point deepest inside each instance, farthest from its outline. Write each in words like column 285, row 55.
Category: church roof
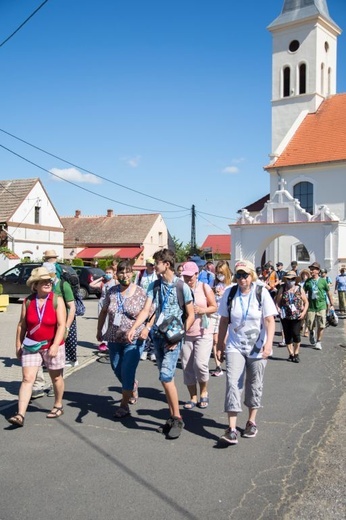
column 295, row 10
column 321, row 137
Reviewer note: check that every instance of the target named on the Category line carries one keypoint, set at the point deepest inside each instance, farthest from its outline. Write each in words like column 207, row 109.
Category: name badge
column 117, row 320
column 160, row 319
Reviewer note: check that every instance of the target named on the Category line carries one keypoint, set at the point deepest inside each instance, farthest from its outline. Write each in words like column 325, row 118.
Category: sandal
column 121, row 412
column 189, row 405
column 57, row 411
column 134, row 398
column 204, row 402
column 17, row 420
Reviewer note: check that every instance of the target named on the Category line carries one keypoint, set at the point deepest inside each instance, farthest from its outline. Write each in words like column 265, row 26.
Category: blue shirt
column 169, row 299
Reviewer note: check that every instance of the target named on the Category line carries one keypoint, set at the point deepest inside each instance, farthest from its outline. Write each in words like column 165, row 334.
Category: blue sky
column 168, row 98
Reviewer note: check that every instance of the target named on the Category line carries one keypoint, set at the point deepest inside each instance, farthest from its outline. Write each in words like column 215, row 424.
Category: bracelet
column 67, row 328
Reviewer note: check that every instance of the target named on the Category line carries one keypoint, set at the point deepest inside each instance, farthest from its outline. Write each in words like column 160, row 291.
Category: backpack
column 73, row 280
column 179, row 285
column 233, row 292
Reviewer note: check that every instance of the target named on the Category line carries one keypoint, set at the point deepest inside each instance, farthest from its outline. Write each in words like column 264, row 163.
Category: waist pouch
column 33, row 346
column 172, row 329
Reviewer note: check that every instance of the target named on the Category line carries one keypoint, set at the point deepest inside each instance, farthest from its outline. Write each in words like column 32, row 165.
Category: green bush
column 1, row 288
column 77, row 261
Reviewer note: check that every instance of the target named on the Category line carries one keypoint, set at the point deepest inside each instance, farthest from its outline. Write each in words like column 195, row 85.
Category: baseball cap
column 244, row 265
column 190, row 268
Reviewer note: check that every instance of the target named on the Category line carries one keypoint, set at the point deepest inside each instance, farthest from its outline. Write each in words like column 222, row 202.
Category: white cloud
column 230, row 169
column 133, row 162
column 72, row 174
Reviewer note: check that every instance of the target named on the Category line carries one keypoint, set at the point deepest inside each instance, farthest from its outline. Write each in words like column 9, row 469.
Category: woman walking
column 247, row 314
column 293, row 306
column 40, row 339
column 122, row 304
column 196, row 347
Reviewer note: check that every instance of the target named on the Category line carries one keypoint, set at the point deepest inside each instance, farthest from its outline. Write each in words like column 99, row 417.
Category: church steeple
column 303, row 64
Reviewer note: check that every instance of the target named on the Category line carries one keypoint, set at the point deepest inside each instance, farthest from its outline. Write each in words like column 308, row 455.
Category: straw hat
column 37, row 275
column 50, row 253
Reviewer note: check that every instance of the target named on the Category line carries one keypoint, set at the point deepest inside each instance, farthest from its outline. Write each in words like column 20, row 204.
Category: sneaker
column 217, row 372
column 176, row 428
column 230, row 436
column 102, row 347
column 312, row 337
column 166, row 427
column 250, row 430
column 37, row 392
column 144, row 356
column 318, row 346
column 50, row 392
column 152, row 357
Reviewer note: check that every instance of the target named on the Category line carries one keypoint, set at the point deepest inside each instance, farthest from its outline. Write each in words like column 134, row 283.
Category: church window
column 294, row 46
column 302, row 78
column 302, row 254
column 326, row 46
column 303, row 191
column 287, row 82
column 37, row 214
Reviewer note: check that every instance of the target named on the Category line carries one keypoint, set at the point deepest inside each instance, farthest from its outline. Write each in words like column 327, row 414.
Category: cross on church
column 282, row 183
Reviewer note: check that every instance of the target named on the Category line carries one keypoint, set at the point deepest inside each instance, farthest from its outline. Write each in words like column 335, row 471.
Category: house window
column 160, row 239
column 302, row 79
column 37, row 214
column 287, row 82
column 302, row 254
column 303, row 191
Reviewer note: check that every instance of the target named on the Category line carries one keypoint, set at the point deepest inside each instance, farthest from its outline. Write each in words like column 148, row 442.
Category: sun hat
column 37, row 275
column 50, row 253
column 190, row 268
column 315, row 265
column 290, row 275
column 150, row 261
column 244, row 265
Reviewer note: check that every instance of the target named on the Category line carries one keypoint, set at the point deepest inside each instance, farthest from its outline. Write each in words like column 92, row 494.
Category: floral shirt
column 292, row 303
column 122, row 313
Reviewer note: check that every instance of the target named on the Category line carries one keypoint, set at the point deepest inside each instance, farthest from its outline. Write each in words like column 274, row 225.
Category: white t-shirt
column 246, row 332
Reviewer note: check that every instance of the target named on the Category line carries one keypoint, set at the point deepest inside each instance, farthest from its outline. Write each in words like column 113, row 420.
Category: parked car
column 87, row 275
column 14, row 280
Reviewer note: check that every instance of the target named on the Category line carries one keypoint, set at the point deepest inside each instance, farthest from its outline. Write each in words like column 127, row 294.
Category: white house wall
column 157, row 238
column 37, row 238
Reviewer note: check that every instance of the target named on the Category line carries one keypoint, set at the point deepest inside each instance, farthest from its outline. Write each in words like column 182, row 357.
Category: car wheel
column 84, row 293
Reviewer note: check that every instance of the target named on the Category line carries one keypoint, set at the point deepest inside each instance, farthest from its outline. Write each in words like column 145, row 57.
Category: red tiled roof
column 321, row 137
column 218, row 243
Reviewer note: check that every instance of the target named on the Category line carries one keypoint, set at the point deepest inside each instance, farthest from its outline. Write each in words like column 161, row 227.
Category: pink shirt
column 200, row 299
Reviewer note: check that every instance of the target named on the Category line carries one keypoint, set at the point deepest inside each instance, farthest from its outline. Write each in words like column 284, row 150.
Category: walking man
column 319, row 294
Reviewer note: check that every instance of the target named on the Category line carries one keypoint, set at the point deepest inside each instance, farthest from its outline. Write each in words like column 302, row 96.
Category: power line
column 77, row 185
column 22, row 24
column 92, row 173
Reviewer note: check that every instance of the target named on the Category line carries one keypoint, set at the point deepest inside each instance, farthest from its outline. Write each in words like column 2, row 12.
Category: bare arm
column 142, row 316
column 306, row 304
column 223, row 327
column 61, row 325
column 269, row 324
column 97, row 282
column 21, row 330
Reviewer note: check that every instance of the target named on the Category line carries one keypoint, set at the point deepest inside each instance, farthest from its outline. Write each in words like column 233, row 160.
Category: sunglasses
column 241, row 275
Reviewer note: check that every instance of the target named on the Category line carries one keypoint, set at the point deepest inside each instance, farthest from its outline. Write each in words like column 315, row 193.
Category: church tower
column 303, row 65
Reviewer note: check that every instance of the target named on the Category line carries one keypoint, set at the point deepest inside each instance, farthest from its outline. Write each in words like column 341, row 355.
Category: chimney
column 77, row 213
column 110, row 213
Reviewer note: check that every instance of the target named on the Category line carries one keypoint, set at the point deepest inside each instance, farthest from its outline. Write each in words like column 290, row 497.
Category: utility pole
column 193, row 246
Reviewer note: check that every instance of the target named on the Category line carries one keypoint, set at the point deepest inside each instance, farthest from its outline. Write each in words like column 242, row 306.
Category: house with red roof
column 304, row 216
column 217, row 247
column 125, row 237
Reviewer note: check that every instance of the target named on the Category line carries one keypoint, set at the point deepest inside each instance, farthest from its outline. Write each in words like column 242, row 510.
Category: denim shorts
column 166, row 359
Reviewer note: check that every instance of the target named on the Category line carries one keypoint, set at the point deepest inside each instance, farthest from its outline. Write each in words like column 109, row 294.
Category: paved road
column 86, row 466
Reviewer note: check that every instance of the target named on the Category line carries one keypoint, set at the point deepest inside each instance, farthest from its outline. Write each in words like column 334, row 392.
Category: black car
column 86, row 276
column 14, row 280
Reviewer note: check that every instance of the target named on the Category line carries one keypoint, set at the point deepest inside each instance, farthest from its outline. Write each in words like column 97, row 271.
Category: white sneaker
column 152, row 357
column 318, row 346
column 144, row 356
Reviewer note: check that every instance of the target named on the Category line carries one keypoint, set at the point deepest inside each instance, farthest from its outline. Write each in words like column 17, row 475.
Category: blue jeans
column 166, row 359
column 124, row 360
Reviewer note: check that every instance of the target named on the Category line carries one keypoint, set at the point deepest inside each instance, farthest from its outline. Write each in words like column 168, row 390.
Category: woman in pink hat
column 196, row 348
